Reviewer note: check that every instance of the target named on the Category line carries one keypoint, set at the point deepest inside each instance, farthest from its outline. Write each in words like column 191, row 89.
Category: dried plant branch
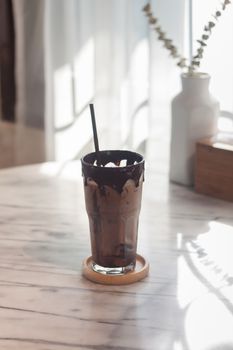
column 168, row 43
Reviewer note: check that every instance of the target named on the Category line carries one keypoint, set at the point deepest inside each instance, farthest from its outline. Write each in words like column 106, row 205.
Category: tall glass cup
column 113, row 194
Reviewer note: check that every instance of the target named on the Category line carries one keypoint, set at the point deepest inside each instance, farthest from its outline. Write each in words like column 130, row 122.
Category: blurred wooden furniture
column 186, row 302
column 7, row 61
column 20, row 145
column 214, row 167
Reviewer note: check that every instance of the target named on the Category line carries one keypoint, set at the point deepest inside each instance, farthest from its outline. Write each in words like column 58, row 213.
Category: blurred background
column 57, row 56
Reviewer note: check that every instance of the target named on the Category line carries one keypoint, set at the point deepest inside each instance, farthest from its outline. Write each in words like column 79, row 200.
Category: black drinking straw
column 95, row 134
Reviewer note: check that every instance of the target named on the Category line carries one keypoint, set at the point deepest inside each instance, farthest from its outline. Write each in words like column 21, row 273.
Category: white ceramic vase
column 194, row 114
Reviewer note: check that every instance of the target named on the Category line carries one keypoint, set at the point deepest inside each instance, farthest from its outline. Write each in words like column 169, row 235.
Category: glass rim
column 140, row 159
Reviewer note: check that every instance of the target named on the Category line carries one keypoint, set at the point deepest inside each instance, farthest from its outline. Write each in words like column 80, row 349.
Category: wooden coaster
column 141, row 271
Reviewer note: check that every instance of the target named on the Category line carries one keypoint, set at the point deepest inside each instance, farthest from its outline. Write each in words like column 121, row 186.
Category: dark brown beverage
column 113, row 201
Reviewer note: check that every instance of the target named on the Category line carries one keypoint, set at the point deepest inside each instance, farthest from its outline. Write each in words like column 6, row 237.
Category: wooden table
column 186, row 303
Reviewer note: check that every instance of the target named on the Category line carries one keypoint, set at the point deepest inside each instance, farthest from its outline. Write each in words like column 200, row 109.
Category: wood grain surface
column 186, row 302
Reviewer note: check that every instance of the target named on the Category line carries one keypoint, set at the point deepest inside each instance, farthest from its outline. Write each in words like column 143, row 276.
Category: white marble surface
column 186, row 303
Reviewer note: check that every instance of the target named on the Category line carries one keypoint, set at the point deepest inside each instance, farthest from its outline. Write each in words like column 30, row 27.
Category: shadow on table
column 204, row 272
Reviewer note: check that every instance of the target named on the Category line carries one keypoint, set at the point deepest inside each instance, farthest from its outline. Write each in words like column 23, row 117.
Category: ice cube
column 110, row 165
column 123, row 162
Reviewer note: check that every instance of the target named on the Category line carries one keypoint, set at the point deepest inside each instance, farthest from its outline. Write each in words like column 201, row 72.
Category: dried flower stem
column 168, row 43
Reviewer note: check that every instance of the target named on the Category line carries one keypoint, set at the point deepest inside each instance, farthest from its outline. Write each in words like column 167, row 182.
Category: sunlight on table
column 68, row 170
column 205, row 287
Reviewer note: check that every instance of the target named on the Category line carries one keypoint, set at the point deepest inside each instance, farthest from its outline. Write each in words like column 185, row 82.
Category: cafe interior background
column 58, row 56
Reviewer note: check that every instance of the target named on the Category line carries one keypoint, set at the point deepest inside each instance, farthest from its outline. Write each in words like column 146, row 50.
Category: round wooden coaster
column 141, row 271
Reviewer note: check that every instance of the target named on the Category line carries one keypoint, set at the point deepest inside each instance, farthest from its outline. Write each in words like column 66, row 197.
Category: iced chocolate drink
column 113, row 200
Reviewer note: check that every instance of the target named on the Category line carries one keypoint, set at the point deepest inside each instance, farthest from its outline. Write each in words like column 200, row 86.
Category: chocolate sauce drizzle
column 113, row 177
